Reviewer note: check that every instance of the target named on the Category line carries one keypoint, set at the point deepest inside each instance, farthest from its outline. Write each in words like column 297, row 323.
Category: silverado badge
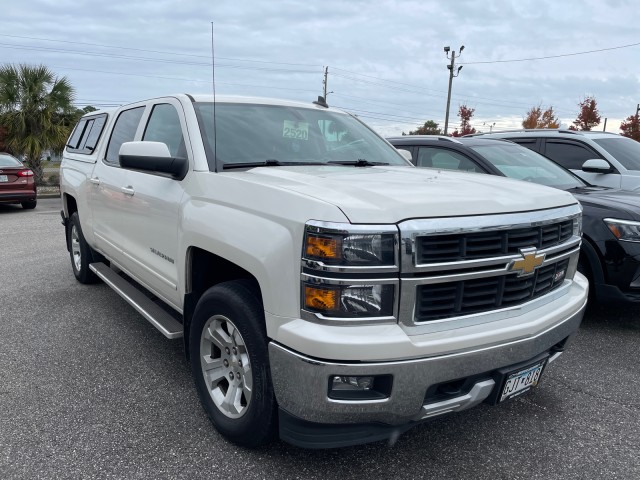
column 529, row 262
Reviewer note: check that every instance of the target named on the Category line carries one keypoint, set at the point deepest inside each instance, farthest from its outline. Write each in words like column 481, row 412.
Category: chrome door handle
column 95, row 180
column 128, row 190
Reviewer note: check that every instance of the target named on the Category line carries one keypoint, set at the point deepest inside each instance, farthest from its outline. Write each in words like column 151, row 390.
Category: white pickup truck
column 325, row 288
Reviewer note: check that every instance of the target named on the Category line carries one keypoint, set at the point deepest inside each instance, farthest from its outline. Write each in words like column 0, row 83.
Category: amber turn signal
column 323, row 247
column 320, row 298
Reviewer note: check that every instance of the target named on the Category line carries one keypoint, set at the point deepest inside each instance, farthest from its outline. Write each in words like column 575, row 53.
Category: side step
column 160, row 319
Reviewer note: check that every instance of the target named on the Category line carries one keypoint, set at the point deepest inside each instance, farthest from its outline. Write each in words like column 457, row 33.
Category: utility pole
column 324, row 82
column 452, row 73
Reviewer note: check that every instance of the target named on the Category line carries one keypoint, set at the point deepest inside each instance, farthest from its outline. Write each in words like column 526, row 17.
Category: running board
column 160, row 319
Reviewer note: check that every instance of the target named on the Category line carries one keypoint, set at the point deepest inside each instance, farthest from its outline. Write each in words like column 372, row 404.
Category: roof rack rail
column 442, row 138
column 522, row 130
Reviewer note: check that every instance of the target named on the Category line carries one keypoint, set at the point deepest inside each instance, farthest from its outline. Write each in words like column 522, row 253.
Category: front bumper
column 301, row 384
column 621, row 263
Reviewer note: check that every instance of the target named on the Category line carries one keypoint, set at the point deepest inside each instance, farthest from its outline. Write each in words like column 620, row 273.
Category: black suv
column 610, row 252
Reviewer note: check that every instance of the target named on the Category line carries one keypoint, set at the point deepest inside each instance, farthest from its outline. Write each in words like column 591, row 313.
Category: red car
column 16, row 182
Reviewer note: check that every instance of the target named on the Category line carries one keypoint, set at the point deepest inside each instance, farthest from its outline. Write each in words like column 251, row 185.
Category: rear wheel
column 30, row 204
column 230, row 363
column 80, row 252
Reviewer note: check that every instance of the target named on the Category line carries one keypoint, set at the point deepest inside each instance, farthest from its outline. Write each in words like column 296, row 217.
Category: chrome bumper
column 301, row 383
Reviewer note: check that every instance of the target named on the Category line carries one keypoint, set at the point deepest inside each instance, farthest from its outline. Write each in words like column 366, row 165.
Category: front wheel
column 80, row 252
column 230, row 363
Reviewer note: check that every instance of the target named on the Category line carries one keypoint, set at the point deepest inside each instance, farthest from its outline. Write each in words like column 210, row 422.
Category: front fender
column 268, row 247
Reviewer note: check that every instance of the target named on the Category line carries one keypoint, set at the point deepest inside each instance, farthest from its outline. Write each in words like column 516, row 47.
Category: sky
column 385, row 59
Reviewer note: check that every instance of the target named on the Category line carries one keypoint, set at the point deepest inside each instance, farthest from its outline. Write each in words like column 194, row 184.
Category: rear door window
column 530, row 143
column 86, row 134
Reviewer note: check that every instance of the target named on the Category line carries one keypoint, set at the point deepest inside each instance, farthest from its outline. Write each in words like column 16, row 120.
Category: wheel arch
column 70, row 206
column 590, row 259
column 204, row 270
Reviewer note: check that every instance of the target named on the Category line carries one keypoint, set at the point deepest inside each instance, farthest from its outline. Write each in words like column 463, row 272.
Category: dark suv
column 600, row 158
column 610, row 252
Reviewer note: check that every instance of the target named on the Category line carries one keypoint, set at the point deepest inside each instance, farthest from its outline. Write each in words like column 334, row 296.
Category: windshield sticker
column 297, row 130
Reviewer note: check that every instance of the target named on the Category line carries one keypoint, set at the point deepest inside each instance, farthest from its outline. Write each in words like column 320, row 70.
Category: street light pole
column 452, row 73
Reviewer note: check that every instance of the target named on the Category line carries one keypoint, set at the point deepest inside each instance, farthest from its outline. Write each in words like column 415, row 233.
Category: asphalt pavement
column 89, row 389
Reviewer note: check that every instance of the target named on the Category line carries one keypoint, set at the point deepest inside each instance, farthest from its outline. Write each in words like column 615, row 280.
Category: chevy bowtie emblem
column 531, row 260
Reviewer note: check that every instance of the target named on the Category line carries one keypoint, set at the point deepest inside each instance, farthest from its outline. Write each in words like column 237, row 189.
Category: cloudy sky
column 385, row 58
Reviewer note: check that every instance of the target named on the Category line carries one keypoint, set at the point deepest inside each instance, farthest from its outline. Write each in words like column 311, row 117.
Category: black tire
column 252, row 421
column 29, row 205
column 80, row 253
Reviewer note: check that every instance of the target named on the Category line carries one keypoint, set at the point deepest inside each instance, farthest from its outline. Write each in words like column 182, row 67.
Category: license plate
column 522, row 380
column 4, row 178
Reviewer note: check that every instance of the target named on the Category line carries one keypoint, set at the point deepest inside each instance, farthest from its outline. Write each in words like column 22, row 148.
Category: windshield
column 7, row 160
column 623, row 149
column 521, row 163
column 279, row 135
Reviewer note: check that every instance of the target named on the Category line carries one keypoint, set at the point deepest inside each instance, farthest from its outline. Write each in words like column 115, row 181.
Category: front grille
column 469, row 246
column 464, row 297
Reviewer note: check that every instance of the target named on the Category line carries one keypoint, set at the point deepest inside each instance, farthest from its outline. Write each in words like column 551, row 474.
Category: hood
column 392, row 194
column 613, row 199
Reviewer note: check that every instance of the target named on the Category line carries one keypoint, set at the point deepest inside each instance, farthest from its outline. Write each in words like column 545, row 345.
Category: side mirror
column 597, row 165
column 406, row 154
column 153, row 157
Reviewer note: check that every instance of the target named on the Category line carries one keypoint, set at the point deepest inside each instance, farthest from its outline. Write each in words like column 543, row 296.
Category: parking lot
column 89, row 389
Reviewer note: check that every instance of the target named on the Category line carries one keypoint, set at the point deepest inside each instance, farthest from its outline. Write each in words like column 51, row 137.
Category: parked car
column 16, row 182
column 610, row 251
column 600, row 158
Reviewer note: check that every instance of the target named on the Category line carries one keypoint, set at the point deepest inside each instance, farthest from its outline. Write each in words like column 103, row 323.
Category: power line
column 385, row 80
column 554, row 56
column 165, row 52
column 150, row 59
column 383, row 104
column 396, row 117
column 421, row 90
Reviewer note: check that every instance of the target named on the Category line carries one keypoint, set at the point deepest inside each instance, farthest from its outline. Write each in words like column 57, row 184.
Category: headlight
column 624, row 230
column 349, row 272
column 349, row 301
column 365, row 247
column 577, row 226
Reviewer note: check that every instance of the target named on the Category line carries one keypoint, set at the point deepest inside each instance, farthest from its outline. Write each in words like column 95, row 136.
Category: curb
column 48, row 195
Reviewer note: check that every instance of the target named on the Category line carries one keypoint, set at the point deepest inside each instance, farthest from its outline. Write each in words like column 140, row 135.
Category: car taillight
column 25, row 173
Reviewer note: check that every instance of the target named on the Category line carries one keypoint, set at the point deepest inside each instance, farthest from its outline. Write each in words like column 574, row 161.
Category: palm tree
column 36, row 112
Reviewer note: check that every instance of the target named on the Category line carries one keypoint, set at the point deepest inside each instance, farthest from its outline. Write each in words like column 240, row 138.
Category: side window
column 74, row 141
column 91, row 139
column 530, row 143
column 123, row 131
column 569, row 155
column 164, row 126
column 86, row 135
column 445, row 159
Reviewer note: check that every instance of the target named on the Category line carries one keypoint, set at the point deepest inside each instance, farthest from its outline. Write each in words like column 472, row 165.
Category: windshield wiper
column 361, row 162
column 267, row 163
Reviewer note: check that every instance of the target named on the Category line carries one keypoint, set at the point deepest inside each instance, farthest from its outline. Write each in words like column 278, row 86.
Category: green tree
column 536, row 118
column 36, row 112
column 429, row 128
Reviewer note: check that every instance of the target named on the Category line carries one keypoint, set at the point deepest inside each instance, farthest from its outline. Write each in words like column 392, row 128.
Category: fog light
column 352, row 383
column 357, row 388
